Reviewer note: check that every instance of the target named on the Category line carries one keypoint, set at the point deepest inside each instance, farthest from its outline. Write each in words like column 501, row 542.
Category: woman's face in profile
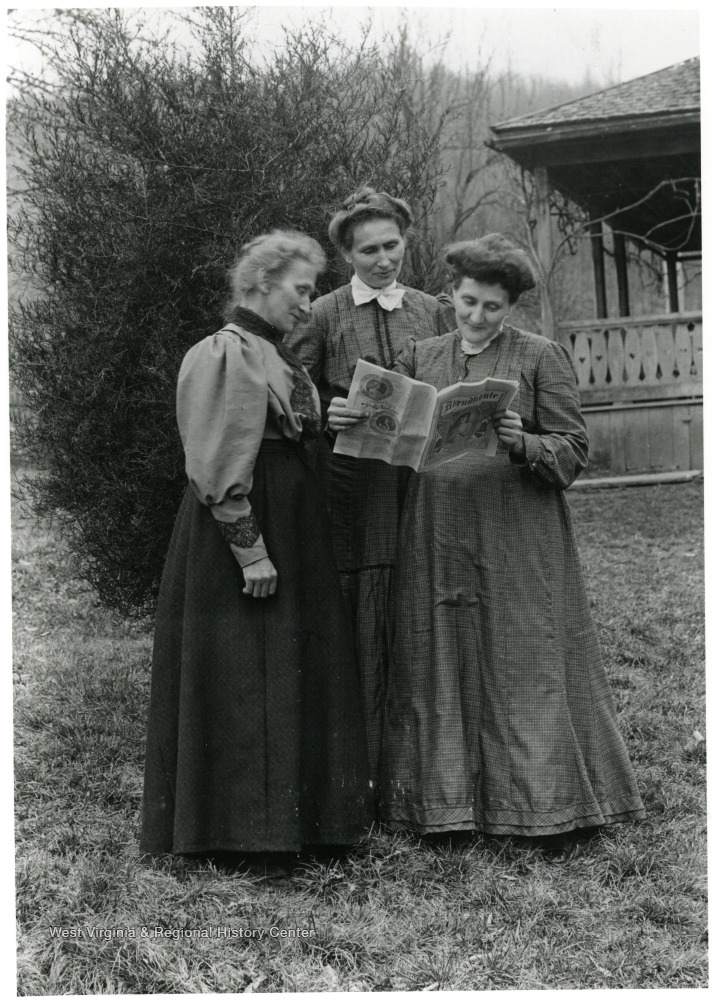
column 480, row 309
column 376, row 252
column 288, row 298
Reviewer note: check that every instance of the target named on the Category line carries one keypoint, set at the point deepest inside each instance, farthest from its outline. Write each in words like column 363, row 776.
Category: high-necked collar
column 254, row 323
column 470, row 349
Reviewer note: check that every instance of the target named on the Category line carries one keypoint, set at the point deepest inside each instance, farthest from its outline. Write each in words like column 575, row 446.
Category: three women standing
column 372, row 318
column 256, row 737
column 499, row 716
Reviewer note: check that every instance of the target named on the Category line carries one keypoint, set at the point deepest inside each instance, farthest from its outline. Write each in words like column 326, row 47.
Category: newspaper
column 411, row 423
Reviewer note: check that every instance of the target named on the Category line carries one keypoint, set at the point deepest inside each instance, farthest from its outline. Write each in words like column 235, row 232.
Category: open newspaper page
column 400, row 416
column 462, row 419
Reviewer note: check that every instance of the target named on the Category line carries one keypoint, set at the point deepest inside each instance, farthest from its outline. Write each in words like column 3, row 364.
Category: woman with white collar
column 372, row 317
column 499, row 714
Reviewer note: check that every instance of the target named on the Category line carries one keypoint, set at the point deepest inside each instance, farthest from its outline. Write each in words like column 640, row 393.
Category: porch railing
column 641, row 358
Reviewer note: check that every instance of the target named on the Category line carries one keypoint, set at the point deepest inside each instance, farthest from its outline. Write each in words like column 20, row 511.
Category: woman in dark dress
column 256, row 739
column 499, row 715
column 372, row 318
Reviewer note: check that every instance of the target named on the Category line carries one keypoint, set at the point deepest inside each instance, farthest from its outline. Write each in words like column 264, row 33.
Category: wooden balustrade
column 641, row 358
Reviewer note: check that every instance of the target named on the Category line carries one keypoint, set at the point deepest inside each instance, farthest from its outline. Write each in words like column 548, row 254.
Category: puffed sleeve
column 446, row 320
column 558, row 450
column 222, row 408
column 405, row 362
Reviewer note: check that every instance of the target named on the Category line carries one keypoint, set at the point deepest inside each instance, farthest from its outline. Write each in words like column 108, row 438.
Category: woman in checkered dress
column 499, row 714
column 373, row 318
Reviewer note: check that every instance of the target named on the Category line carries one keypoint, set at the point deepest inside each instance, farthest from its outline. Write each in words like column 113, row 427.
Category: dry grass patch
column 397, row 912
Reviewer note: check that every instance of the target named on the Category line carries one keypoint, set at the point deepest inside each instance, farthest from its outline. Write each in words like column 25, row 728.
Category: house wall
column 643, row 438
column 640, row 382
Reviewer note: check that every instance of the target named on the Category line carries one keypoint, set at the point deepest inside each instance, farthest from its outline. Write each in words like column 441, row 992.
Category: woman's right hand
column 342, row 417
column 260, row 578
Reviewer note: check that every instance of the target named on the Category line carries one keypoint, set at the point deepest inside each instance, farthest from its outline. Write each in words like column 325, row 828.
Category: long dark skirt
column 256, row 737
column 364, row 498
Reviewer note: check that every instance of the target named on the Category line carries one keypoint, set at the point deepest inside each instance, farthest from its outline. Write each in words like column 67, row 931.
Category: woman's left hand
column 508, row 428
column 342, row 417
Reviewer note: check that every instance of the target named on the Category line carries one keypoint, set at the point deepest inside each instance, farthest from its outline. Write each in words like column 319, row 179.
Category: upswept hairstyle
column 362, row 206
column 271, row 254
column 494, row 260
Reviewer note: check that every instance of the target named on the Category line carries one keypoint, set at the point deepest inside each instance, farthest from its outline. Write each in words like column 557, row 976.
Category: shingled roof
column 631, row 151
column 671, row 91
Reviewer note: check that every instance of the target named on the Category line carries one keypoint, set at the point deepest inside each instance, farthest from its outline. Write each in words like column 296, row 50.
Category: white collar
column 468, row 348
column 390, row 297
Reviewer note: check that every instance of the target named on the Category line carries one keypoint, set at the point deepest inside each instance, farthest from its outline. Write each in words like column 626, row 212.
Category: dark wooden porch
column 630, row 157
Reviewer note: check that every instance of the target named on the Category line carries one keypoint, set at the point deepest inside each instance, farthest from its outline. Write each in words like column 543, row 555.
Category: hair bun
column 364, row 204
column 364, row 196
column 493, row 259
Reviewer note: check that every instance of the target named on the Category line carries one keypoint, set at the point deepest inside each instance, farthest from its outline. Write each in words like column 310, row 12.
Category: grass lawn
column 628, row 910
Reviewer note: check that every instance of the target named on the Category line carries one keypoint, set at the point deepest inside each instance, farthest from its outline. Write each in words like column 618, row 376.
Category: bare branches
column 679, row 186
column 140, row 166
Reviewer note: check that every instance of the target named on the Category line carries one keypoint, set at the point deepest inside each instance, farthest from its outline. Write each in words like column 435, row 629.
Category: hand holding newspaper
column 411, row 423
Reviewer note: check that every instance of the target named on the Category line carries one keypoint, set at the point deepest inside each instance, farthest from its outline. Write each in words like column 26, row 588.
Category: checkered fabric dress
column 499, row 714
column 364, row 496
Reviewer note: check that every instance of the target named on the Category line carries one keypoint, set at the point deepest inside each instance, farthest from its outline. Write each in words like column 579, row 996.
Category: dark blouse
column 339, row 332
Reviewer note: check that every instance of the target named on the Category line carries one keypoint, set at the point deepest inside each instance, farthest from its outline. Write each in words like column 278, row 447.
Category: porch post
column 599, row 270
column 621, row 274
column 671, row 262
column 544, row 247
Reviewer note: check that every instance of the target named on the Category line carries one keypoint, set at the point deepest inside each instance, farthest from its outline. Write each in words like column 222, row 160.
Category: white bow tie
column 389, row 298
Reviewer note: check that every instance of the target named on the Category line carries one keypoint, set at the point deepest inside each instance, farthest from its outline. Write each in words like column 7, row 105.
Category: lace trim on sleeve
column 242, row 533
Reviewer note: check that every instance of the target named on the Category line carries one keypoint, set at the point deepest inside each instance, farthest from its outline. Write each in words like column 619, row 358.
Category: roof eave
column 507, row 137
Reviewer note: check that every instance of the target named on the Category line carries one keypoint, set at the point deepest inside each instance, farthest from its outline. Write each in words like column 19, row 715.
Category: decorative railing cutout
column 646, row 357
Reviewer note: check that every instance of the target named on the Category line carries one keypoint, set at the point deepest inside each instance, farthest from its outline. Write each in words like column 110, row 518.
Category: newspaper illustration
column 411, row 423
